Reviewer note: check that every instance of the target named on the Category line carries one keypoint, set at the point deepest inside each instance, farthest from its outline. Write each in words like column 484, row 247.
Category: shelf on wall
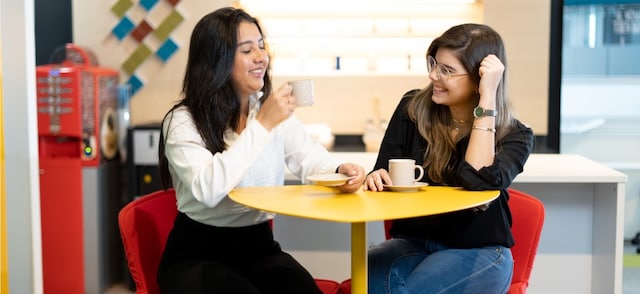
column 375, row 38
column 340, row 73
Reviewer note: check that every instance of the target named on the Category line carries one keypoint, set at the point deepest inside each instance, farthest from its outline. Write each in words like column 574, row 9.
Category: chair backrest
column 328, row 286
column 528, row 218
column 144, row 226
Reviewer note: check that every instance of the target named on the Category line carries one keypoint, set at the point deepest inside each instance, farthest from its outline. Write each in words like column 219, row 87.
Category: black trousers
column 199, row 258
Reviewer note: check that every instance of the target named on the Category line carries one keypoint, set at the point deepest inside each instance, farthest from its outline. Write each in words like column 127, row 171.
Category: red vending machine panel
column 76, row 102
column 78, row 99
column 60, row 136
column 59, row 102
column 61, row 216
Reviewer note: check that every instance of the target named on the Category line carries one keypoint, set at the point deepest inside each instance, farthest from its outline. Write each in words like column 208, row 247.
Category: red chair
column 528, row 217
column 328, row 286
column 144, row 226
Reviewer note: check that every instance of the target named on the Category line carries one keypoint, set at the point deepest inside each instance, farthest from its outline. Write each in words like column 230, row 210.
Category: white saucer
column 329, row 179
column 416, row 186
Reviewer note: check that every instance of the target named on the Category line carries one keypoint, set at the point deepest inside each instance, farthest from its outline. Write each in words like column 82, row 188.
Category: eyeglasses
column 442, row 73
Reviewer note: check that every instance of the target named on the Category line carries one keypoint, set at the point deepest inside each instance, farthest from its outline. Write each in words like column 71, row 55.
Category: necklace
column 459, row 121
column 456, row 128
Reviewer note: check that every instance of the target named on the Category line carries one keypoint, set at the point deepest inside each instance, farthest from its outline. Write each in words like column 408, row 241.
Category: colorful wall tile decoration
column 150, row 23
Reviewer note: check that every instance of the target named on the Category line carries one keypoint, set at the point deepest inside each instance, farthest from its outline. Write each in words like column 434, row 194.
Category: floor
column 630, row 278
column 118, row 289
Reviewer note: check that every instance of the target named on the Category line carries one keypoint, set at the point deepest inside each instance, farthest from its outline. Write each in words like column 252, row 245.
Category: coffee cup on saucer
column 403, row 172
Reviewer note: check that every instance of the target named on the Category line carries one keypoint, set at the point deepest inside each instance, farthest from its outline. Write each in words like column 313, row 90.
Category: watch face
column 478, row 112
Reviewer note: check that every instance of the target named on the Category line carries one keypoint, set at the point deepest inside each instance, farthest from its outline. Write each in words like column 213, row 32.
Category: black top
column 468, row 228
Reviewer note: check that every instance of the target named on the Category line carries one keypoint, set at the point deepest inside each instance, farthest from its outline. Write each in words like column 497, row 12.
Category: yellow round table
column 329, row 204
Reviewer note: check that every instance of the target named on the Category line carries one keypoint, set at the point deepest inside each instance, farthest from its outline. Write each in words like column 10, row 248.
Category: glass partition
column 600, row 89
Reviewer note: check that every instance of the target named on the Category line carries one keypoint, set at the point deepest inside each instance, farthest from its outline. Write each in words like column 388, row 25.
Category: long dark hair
column 470, row 43
column 207, row 90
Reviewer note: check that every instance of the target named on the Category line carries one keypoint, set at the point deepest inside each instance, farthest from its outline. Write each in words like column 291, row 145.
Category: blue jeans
column 402, row 266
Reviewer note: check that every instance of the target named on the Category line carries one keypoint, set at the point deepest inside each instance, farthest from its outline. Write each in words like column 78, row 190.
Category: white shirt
column 254, row 157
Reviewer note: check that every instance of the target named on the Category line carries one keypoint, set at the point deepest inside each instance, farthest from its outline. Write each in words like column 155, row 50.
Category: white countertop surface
column 567, row 168
column 545, row 168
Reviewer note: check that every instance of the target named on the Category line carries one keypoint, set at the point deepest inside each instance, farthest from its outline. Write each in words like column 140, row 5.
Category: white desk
column 580, row 249
column 581, row 246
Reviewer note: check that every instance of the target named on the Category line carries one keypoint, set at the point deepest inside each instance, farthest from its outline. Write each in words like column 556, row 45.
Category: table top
column 327, row 203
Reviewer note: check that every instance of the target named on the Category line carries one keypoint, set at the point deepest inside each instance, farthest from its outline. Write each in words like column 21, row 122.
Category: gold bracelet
column 493, row 130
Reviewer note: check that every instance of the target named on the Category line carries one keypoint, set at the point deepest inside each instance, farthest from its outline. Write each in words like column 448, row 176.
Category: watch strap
column 490, row 112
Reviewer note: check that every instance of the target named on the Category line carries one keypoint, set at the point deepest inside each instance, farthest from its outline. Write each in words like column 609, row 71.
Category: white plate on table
column 416, row 187
column 329, row 179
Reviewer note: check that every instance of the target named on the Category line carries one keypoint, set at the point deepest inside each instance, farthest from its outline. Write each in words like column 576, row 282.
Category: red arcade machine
column 80, row 173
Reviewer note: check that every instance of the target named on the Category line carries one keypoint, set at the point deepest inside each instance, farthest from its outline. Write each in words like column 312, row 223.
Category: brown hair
column 471, row 43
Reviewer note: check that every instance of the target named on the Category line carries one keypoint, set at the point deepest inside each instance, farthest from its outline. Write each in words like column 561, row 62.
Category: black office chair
column 636, row 241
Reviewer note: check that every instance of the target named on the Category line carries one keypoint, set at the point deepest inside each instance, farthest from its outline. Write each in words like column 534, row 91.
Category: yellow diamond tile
column 136, row 59
column 168, row 25
column 121, row 7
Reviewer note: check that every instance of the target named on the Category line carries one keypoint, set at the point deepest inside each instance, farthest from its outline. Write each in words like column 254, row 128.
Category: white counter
column 581, row 246
column 580, row 249
column 548, row 168
column 364, row 159
column 567, row 168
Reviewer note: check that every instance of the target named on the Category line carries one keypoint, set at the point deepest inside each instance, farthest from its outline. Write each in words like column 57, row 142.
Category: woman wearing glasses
column 461, row 130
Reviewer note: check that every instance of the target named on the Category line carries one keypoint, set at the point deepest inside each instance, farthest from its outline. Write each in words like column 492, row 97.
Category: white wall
column 20, row 122
column 525, row 28
column 92, row 24
column 527, row 47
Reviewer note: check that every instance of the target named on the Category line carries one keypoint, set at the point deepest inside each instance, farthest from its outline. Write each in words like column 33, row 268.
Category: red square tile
column 141, row 31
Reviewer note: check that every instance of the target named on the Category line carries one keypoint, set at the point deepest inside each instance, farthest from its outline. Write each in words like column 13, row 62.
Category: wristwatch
column 480, row 112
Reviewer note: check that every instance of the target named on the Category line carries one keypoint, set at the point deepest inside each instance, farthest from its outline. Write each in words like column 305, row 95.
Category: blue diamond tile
column 123, row 28
column 135, row 83
column 167, row 49
column 148, row 4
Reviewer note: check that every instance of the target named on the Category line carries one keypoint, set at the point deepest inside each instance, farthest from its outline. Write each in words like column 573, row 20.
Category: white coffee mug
column 403, row 172
column 303, row 91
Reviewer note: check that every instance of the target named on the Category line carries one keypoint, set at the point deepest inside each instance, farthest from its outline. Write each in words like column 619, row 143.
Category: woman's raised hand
column 491, row 69
column 277, row 107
